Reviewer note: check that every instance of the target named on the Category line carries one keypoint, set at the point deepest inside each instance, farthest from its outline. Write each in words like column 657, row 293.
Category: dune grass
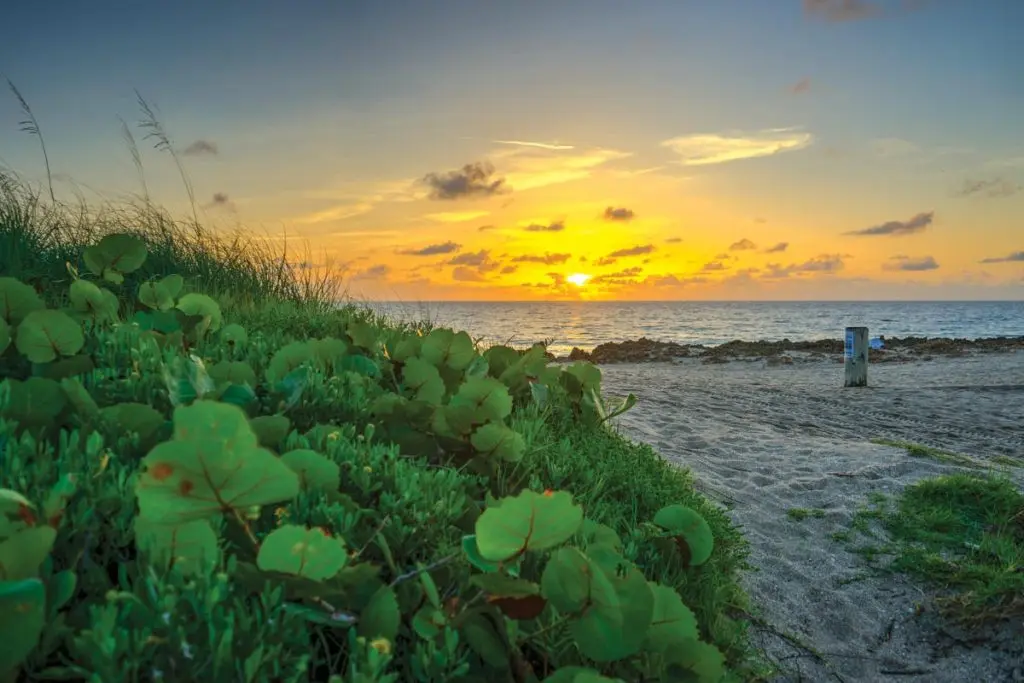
column 619, row 483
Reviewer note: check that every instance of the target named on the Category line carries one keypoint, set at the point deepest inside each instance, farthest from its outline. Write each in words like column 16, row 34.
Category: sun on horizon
column 578, row 279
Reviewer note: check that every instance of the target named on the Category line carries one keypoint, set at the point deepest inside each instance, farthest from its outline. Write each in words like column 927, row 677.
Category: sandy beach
column 764, row 436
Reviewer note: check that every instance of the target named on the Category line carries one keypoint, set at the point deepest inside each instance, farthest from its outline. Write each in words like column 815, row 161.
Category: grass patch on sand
column 800, row 514
column 962, row 534
column 920, row 451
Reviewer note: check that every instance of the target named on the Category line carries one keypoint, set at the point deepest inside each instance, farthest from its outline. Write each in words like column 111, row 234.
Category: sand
column 762, row 438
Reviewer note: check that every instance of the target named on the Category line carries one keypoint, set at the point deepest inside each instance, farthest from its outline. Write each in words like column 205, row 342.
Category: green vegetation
column 920, row 451
column 963, row 534
column 210, row 472
column 800, row 514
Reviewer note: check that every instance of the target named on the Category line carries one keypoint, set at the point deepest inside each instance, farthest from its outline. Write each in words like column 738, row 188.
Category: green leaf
column 363, row 335
column 607, row 633
column 501, row 586
column 596, row 534
column 156, row 296
column 22, row 619
column 487, row 398
column 236, row 372
column 212, row 465
column 173, row 284
column 469, row 547
column 234, row 334
column 672, row 622
column 117, row 253
column 695, row 661
column 270, row 430
column 578, row 674
column 79, row 398
column 428, row 622
column 5, row 335
column 201, row 305
column 36, row 401
column 45, row 335
column 528, row 521
column 189, row 547
column 484, row 639
column 405, row 349
column 361, row 365
column 327, row 351
column 381, row 617
column 140, row 418
column 61, row 588
column 58, row 497
column 589, row 375
column 67, row 367
column 22, row 554
column 316, row 471
column 498, row 441
column 691, row 531
column 286, row 359
column 17, row 300
column 424, row 381
column 296, row 550
column 240, row 395
column 87, row 298
column 445, row 347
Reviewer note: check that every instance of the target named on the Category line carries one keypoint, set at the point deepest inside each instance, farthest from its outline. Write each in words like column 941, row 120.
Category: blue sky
column 324, row 116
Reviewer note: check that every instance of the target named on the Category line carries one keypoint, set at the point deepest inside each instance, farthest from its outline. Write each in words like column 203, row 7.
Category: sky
column 572, row 150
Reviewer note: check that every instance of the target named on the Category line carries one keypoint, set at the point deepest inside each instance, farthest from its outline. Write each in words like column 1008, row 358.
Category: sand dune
column 764, row 439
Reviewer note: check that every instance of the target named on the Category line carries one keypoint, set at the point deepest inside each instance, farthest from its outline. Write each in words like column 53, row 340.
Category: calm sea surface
column 587, row 324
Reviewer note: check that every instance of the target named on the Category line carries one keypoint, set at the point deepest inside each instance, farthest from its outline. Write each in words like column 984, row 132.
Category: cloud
column 477, row 259
column 674, row 240
column 220, row 200
column 672, row 281
column 638, row 250
column 715, row 148
column 201, row 148
column 464, row 274
column 377, row 272
column 484, row 228
column 622, row 277
column 547, row 259
column 1015, row 257
column 889, row 148
column 528, row 168
column 777, row 248
column 711, row 266
column 508, row 270
column 336, row 213
column 837, row 11
column 618, row 214
column 911, row 264
column 556, row 226
column 539, row 145
column 472, row 180
column 994, row 188
column 801, row 86
column 433, row 249
column 823, row 263
column 743, row 245
column 456, row 216
column 916, row 224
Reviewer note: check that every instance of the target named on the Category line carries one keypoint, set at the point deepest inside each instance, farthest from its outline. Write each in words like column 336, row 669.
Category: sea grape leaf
column 80, row 398
column 498, row 441
column 361, row 365
column 190, row 547
column 571, row 581
column 475, row 558
column 35, row 401
column 60, row 588
column 406, row 348
column 691, row 532
column 578, row 674
column 597, row 534
column 484, row 639
column 672, row 622
column 22, row 554
column 270, row 430
column 424, row 380
column 57, row 499
column 236, row 372
column 363, row 335
column 516, row 598
column 445, row 347
column 240, row 395
column 86, row 297
column 117, row 253
column 428, row 622
column 316, row 471
column 487, row 397
column 22, row 619
column 156, row 296
column 381, row 617
column 296, row 550
column 286, row 359
column 140, row 418
column 5, row 335
column 66, row 367
column 202, row 305
column 16, row 513
column 528, row 521
column 213, row 464
column 327, row 351
column 588, row 374
column 695, row 661
column 17, row 300
column 45, row 335
column 614, row 631
column 234, row 334
column 500, row 359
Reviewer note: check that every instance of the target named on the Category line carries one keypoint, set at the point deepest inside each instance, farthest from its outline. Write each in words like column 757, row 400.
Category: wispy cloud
column 992, row 188
column 220, row 200
column 336, row 213
column 201, row 148
column 464, row 274
column 717, row 148
column 433, row 249
column 472, row 180
column 1015, row 257
column 480, row 260
column 911, row 264
column 555, row 226
column 800, row 87
column 823, row 263
column 743, row 245
column 837, row 11
column 547, row 259
column 456, row 216
column 915, row 224
column 712, row 266
column 612, row 213
column 530, row 168
column 638, row 250
column 673, row 240
column 777, row 248
column 539, row 145
column 377, row 272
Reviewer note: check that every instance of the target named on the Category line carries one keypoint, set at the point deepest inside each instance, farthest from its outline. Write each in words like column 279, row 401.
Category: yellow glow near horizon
column 578, row 279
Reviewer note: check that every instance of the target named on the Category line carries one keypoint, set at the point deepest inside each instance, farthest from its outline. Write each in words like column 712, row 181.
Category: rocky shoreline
column 896, row 349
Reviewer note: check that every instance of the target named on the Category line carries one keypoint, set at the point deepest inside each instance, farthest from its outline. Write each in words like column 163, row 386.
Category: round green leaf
column 61, row 588
column 474, row 557
column 691, row 531
column 486, row 397
column 235, row 372
column 528, row 521
column 578, row 674
column 607, row 632
column 296, row 550
column 445, row 347
column 234, row 334
column 201, row 305
column 270, row 430
column 424, row 381
column 240, row 395
column 212, row 465
column 79, row 397
column 405, row 349
column 119, row 253
column 286, row 359
column 361, row 365
column 22, row 618
column 672, row 622
column 5, row 335
column 316, row 471
column 45, row 335
column 156, row 296
column 484, row 639
column 498, row 441
column 36, row 401
column 381, row 617
column 189, row 547
column 22, row 554
column 134, row 417
column 696, row 661
column 17, row 300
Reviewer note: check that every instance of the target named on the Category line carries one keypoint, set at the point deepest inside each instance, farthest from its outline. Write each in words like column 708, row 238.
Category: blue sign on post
column 848, row 348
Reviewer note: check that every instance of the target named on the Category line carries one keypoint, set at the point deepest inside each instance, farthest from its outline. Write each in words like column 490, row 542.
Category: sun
column 578, row 279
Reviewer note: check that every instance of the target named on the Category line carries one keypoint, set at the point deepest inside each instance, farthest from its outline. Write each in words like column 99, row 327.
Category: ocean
column 587, row 324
